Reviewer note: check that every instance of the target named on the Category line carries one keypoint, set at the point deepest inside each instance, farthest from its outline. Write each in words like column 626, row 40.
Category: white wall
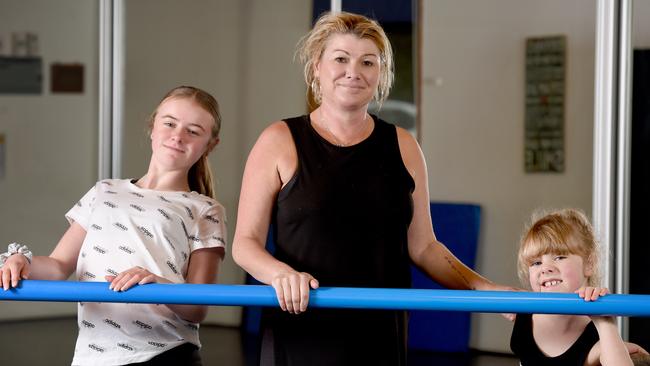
column 640, row 24
column 51, row 143
column 241, row 52
column 473, row 123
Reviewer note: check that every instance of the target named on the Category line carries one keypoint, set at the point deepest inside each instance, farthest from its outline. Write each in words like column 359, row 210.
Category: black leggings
column 185, row 354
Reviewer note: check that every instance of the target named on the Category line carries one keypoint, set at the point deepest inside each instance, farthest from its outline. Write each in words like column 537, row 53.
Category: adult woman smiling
column 348, row 195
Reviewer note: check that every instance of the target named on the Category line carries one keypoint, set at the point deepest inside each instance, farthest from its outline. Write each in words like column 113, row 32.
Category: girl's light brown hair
column 312, row 45
column 199, row 176
column 563, row 232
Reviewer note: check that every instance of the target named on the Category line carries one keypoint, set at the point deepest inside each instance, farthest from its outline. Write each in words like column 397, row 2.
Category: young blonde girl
column 559, row 253
column 164, row 227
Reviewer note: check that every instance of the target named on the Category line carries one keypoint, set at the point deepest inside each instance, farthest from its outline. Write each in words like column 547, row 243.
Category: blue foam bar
column 335, row 297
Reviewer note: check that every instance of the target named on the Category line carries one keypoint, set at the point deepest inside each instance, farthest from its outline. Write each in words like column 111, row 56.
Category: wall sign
column 545, row 90
column 67, row 78
column 21, row 75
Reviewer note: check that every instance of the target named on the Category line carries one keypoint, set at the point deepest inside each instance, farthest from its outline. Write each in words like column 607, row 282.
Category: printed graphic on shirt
column 126, row 346
column 127, row 226
column 96, row 348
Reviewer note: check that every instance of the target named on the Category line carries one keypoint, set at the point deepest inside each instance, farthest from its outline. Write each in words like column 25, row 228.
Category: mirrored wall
column 485, row 90
column 240, row 51
column 475, row 87
column 48, row 125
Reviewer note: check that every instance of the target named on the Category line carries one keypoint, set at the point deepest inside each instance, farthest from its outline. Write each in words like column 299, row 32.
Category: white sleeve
column 82, row 210
column 210, row 229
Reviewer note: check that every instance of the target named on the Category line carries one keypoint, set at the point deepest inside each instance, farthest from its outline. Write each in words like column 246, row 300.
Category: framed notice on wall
column 545, row 90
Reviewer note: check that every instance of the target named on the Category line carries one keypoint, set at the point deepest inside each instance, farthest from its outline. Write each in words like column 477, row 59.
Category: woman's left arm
column 202, row 269
column 426, row 252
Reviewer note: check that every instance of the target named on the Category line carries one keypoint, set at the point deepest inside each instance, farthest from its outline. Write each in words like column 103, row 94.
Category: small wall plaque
column 67, row 78
column 545, row 89
column 21, row 75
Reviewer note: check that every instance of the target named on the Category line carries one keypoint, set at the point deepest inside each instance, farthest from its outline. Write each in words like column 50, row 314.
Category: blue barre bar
column 335, row 297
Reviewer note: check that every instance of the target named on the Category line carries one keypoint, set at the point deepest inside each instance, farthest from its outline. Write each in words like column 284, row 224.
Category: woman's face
column 348, row 71
column 181, row 133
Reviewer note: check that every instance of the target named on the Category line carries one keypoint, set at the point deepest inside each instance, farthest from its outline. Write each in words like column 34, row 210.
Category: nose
column 176, row 134
column 352, row 71
column 547, row 268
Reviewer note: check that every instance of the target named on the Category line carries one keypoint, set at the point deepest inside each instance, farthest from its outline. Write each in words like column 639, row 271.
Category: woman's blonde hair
column 566, row 231
column 312, row 45
column 199, row 176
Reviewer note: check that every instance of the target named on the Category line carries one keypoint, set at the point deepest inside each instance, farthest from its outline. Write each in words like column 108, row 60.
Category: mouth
column 551, row 283
column 354, row 87
column 174, row 148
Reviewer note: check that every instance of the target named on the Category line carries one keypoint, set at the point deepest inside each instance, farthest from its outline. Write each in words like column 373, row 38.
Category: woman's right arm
column 59, row 265
column 271, row 164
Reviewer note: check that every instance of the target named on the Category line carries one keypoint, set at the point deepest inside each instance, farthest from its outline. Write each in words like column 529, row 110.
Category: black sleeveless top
column 522, row 344
column 344, row 218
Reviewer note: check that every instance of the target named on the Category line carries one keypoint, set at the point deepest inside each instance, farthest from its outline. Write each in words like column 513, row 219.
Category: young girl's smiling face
column 553, row 272
column 181, row 133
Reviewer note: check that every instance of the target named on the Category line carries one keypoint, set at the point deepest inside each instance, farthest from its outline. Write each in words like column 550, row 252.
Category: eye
column 560, row 257
column 368, row 63
column 340, row 59
column 535, row 263
column 168, row 124
column 194, row 132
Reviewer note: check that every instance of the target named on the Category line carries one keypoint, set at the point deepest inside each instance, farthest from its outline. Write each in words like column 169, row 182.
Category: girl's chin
column 553, row 289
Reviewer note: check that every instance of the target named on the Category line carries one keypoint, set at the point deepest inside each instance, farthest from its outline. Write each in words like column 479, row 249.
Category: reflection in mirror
column 239, row 51
column 48, row 133
column 473, row 123
column 242, row 51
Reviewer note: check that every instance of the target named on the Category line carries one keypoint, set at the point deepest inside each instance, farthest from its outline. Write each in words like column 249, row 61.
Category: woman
column 348, row 196
column 165, row 227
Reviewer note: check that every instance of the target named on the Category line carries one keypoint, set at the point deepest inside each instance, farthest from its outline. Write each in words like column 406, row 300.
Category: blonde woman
column 348, row 195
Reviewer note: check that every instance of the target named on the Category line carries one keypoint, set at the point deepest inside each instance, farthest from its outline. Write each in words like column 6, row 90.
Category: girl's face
column 348, row 70
column 558, row 273
column 181, row 133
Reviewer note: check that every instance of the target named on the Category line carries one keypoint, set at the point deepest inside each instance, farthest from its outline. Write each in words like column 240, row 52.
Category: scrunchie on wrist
column 15, row 248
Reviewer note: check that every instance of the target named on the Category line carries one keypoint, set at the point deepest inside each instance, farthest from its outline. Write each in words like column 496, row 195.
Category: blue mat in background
column 457, row 226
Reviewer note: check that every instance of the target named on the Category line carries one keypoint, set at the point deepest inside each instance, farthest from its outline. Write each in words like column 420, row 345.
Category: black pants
column 185, row 354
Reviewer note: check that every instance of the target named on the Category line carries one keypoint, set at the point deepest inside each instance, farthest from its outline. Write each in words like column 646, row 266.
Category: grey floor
column 51, row 342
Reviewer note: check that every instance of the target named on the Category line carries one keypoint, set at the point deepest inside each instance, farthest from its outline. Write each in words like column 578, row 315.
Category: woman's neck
column 342, row 127
column 343, row 117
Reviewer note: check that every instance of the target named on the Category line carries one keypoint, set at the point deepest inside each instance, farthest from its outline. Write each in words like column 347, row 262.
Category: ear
column 211, row 145
column 317, row 69
column 589, row 267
